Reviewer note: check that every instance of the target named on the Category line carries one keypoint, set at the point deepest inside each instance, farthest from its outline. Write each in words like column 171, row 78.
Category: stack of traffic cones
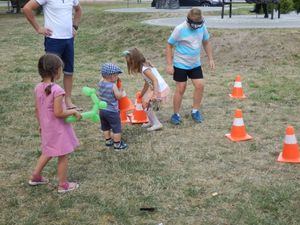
column 237, row 90
column 290, row 152
column 125, row 105
column 139, row 115
column 238, row 129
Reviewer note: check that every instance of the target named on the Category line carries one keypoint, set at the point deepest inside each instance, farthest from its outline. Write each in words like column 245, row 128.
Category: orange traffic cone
column 124, row 117
column 238, row 129
column 290, row 152
column 139, row 115
column 124, row 103
column 237, row 90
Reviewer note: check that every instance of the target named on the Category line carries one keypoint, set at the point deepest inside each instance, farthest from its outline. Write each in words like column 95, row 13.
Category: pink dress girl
column 58, row 137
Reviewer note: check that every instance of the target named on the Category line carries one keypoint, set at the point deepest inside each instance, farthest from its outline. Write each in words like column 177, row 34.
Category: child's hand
column 211, row 64
column 170, row 69
column 139, row 95
column 154, row 96
column 77, row 115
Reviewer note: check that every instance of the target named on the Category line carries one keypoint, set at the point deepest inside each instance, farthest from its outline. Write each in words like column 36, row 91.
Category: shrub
column 297, row 5
column 287, row 6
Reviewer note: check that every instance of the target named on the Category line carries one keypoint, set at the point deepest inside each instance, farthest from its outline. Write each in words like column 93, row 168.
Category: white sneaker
column 155, row 127
column 146, row 125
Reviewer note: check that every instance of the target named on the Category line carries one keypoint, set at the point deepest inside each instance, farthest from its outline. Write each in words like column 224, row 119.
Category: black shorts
column 181, row 75
column 110, row 120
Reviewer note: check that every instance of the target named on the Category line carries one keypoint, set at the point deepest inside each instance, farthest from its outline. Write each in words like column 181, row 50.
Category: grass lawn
column 190, row 174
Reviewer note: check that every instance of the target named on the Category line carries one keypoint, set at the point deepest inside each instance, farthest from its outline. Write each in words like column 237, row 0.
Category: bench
column 268, row 2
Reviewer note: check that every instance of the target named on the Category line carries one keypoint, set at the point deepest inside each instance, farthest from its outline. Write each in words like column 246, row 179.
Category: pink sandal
column 38, row 180
column 67, row 186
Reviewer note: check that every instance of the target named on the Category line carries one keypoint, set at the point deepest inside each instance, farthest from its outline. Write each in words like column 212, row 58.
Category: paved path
column 291, row 20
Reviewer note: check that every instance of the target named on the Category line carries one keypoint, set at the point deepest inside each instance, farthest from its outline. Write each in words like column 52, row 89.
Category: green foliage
column 297, row 5
column 286, row 6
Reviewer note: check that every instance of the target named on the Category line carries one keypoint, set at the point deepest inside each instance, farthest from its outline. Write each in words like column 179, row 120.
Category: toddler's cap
column 109, row 69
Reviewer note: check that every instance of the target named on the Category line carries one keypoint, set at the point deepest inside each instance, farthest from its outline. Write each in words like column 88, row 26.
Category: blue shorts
column 181, row 75
column 64, row 48
column 110, row 120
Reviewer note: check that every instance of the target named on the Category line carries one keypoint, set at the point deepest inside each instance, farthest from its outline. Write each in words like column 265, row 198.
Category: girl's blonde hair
column 135, row 61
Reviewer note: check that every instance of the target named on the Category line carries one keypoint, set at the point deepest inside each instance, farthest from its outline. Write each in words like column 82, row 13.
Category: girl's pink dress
column 58, row 137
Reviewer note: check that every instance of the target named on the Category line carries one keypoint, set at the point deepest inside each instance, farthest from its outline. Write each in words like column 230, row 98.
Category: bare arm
column 117, row 92
column 148, row 73
column 28, row 12
column 37, row 112
column 76, row 19
column 77, row 15
column 208, row 49
column 60, row 112
column 169, row 59
column 145, row 87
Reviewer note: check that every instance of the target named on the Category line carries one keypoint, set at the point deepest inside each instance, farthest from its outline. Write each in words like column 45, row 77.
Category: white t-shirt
column 162, row 85
column 58, row 17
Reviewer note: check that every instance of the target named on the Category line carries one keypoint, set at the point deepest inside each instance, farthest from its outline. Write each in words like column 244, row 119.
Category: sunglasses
column 195, row 25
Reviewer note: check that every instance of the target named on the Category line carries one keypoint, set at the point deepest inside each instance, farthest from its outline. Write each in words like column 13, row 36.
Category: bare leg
column 68, row 84
column 107, row 134
column 198, row 92
column 41, row 163
column 117, row 137
column 62, row 169
column 177, row 99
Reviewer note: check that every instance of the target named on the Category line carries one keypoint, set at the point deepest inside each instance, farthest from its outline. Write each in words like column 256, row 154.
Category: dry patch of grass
column 190, row 173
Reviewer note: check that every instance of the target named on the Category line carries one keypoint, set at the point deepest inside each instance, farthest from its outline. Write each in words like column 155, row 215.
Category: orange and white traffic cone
column 125, row 103
column 139, row 115
column 238, row 129
column 290, row 152
column 237, row 90
column 124, row 117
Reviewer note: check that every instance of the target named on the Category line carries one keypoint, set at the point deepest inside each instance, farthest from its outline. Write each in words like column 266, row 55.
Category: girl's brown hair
column 48, row 66
column 135, row 61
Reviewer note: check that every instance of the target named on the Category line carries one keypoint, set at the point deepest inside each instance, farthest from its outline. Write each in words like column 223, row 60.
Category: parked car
column 195, row 3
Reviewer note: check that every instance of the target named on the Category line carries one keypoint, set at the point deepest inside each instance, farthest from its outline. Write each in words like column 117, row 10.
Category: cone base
column 127, row 120
column 245, row 138
column 281, row 159
column 139, row 121
column 241, row 97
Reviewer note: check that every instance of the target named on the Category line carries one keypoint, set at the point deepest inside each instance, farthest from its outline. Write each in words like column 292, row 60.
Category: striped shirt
column 188, row 43
column 106, row 94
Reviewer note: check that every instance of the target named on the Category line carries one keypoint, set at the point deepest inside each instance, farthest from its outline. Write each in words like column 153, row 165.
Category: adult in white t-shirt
column 60, row 27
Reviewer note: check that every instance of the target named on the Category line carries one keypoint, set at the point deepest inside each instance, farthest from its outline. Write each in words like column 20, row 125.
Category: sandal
column 67, row 186
column 38, row 180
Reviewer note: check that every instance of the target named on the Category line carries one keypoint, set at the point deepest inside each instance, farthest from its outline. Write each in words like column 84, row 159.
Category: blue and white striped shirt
column 106, row 93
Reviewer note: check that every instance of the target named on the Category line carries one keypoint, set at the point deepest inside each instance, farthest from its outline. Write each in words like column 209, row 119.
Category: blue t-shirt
column 188, row 43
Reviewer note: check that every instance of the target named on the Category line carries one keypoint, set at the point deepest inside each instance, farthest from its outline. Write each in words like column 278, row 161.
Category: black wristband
column 75, row 27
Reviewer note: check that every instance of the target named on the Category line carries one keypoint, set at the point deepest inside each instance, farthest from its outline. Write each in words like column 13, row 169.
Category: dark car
column 195, row 3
